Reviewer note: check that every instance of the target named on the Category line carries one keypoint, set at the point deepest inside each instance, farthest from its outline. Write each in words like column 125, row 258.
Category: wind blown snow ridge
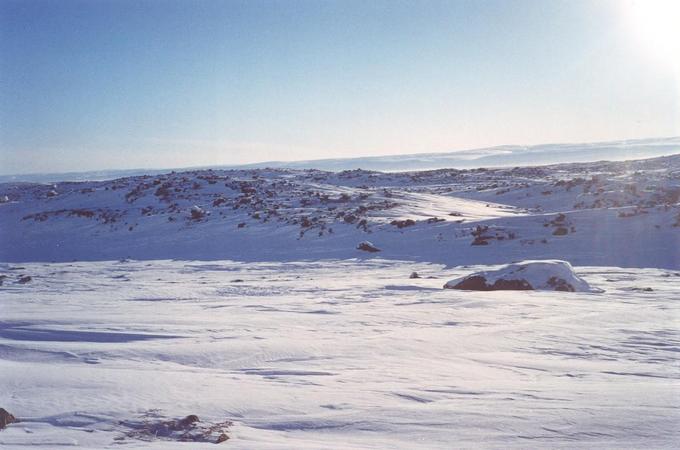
column 606, row 213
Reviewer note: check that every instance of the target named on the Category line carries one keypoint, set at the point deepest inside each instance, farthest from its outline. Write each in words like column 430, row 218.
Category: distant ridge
column 500, row 156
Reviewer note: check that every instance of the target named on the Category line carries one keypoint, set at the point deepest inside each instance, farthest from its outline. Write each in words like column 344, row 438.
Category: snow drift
column 547, row 275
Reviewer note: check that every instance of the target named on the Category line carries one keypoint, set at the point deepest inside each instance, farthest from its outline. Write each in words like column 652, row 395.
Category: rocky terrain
column 450, row 216
column 280, row 308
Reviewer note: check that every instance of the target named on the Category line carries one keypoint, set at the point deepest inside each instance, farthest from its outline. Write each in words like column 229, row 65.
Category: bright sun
column 657, row 24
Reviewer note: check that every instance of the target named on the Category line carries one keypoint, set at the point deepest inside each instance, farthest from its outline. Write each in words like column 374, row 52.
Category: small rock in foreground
column 188, row 429
column 6, row 418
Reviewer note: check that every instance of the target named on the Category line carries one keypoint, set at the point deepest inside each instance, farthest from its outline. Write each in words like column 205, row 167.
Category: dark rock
column 188, row 429
column 6, row 418
column 511, row 285
column 414, row 275
column 367, row 247
column 25, row 279
column 435, row 220
column 473, row 283
column 645, row 289
column 187, row 422
column 560, row 231
column 219, row 201
column 403, row 223
column 560, row 285
column 479, row 283
column 350, row 218
column 197, row 213
column 480, row 240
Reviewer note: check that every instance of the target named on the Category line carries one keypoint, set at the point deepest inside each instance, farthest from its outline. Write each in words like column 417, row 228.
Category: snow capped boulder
column 545, row 275
column 367, row 247
column 4, row 199
column 197, row 212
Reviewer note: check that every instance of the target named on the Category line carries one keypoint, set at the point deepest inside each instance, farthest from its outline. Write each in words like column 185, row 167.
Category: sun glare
column 656, row 23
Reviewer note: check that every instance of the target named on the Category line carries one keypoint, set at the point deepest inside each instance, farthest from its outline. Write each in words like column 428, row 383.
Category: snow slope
column 583, row 213
column 336, row 354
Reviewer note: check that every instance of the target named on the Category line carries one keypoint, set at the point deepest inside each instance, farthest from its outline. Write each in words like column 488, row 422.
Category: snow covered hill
column 299, row 308
column 624, row 214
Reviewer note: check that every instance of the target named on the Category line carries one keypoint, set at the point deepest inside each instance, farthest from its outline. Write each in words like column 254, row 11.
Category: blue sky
column 126, row 84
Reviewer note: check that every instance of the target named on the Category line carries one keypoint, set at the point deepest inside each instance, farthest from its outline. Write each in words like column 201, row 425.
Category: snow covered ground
column 624, row 214
column 337, row 354
column 240, row 296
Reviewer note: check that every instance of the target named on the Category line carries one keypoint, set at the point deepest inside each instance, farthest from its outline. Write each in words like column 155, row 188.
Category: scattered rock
column 197, row 213
column 187, row 422
column 350, row 218
column 560, row 231
column 24, row 279
column 435, row 220
column 367, row 247
column 188, row 429
column 403, row 223
column 480, row 240
column 6, row 418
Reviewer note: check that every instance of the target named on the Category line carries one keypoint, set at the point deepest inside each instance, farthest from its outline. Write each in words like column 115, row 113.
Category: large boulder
column 546, row 275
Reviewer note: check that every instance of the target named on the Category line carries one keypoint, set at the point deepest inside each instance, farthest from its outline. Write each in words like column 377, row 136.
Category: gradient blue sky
column 126, row 84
